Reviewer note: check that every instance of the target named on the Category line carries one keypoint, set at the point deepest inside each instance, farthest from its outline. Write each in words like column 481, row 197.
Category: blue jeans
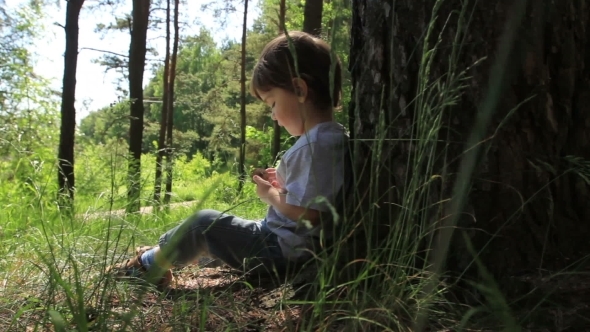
column 242, row 244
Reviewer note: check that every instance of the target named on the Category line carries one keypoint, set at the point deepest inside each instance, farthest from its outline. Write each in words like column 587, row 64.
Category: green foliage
column 24, row 175
column 206, row 105
column 100, row 171
column 18, row 28
column 258, row 152
column 196, row 168
column 110, row 122
column 102, row 178
column 207, row 96
column 28, row 110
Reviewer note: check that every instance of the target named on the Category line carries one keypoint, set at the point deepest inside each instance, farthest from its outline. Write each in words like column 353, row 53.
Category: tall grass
column 53, row 263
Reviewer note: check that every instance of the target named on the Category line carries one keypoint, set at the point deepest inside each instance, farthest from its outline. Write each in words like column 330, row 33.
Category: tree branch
column 104, row 51
column 115, row 53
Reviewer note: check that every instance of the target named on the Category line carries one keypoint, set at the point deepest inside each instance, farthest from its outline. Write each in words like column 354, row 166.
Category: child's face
column 286, row 109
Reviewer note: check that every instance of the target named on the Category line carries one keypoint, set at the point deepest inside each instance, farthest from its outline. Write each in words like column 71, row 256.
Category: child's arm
column 294, row 212
column 272, row 196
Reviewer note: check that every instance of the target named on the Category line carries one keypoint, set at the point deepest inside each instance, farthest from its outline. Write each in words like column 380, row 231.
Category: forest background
column 206, row 106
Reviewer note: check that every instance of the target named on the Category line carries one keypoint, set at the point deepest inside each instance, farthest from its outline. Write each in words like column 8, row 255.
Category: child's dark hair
column 276, row 69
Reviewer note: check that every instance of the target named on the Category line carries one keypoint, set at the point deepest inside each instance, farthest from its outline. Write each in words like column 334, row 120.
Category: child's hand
column 260, row 172
column 271, row 176
column 266, row 191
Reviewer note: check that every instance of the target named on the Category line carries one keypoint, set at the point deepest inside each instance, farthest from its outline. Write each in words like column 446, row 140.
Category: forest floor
column 219, row 298
column 236, row 301
column 554, row 302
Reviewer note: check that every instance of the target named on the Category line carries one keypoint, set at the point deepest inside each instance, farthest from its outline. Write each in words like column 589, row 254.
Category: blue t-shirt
column 311, row 173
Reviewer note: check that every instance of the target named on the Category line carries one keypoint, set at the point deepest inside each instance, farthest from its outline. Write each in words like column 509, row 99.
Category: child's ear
column 301, row 89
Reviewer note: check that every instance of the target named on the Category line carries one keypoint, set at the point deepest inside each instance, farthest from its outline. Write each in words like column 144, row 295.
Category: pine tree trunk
column 65, row 173
column 276, row 138
column 312, row 16
column 137, row 51
column 170, row 122
column 528, row 205
column 164, row 116
column 242, row 161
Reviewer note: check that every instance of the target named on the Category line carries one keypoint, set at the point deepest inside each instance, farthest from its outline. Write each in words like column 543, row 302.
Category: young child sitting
column 300, row 80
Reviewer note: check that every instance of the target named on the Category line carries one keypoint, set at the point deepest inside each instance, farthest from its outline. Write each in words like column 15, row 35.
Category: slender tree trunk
column 164, row 116
column 528, row 205
column 169, row 130
column 65, row 173
column 312, row 16
column 276, row 138
column 137, row 51
column 242, row 166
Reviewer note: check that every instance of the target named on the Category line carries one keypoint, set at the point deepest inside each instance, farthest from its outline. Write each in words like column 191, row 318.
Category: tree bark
column 170, row 122
column 312, row 16
column 65, row 172
column 527, row 206
column 276, row 138
column 164, row 116
column 242, row 161
column 137, row 51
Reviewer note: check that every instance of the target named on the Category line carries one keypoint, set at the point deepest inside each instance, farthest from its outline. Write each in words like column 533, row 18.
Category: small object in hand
column 260, row 172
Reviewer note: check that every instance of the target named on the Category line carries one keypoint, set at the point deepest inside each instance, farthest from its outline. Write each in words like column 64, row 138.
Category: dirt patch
column 121, row 212
column 215, row 299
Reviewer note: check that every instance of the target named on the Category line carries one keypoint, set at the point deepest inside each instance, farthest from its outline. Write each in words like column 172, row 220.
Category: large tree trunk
column 169, row 130
column 164, row 116
column 242, row 161
column 137, row 51
column 527, row 209
column 312, row 16
column 65, row 172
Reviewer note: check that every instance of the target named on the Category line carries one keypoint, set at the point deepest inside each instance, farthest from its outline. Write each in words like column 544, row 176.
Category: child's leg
column 238, row 242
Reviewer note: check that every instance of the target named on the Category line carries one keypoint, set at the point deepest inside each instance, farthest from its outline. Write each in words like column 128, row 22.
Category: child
column 299, row 79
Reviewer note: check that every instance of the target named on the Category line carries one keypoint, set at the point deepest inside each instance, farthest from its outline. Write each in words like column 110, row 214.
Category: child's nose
column 272, row 116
